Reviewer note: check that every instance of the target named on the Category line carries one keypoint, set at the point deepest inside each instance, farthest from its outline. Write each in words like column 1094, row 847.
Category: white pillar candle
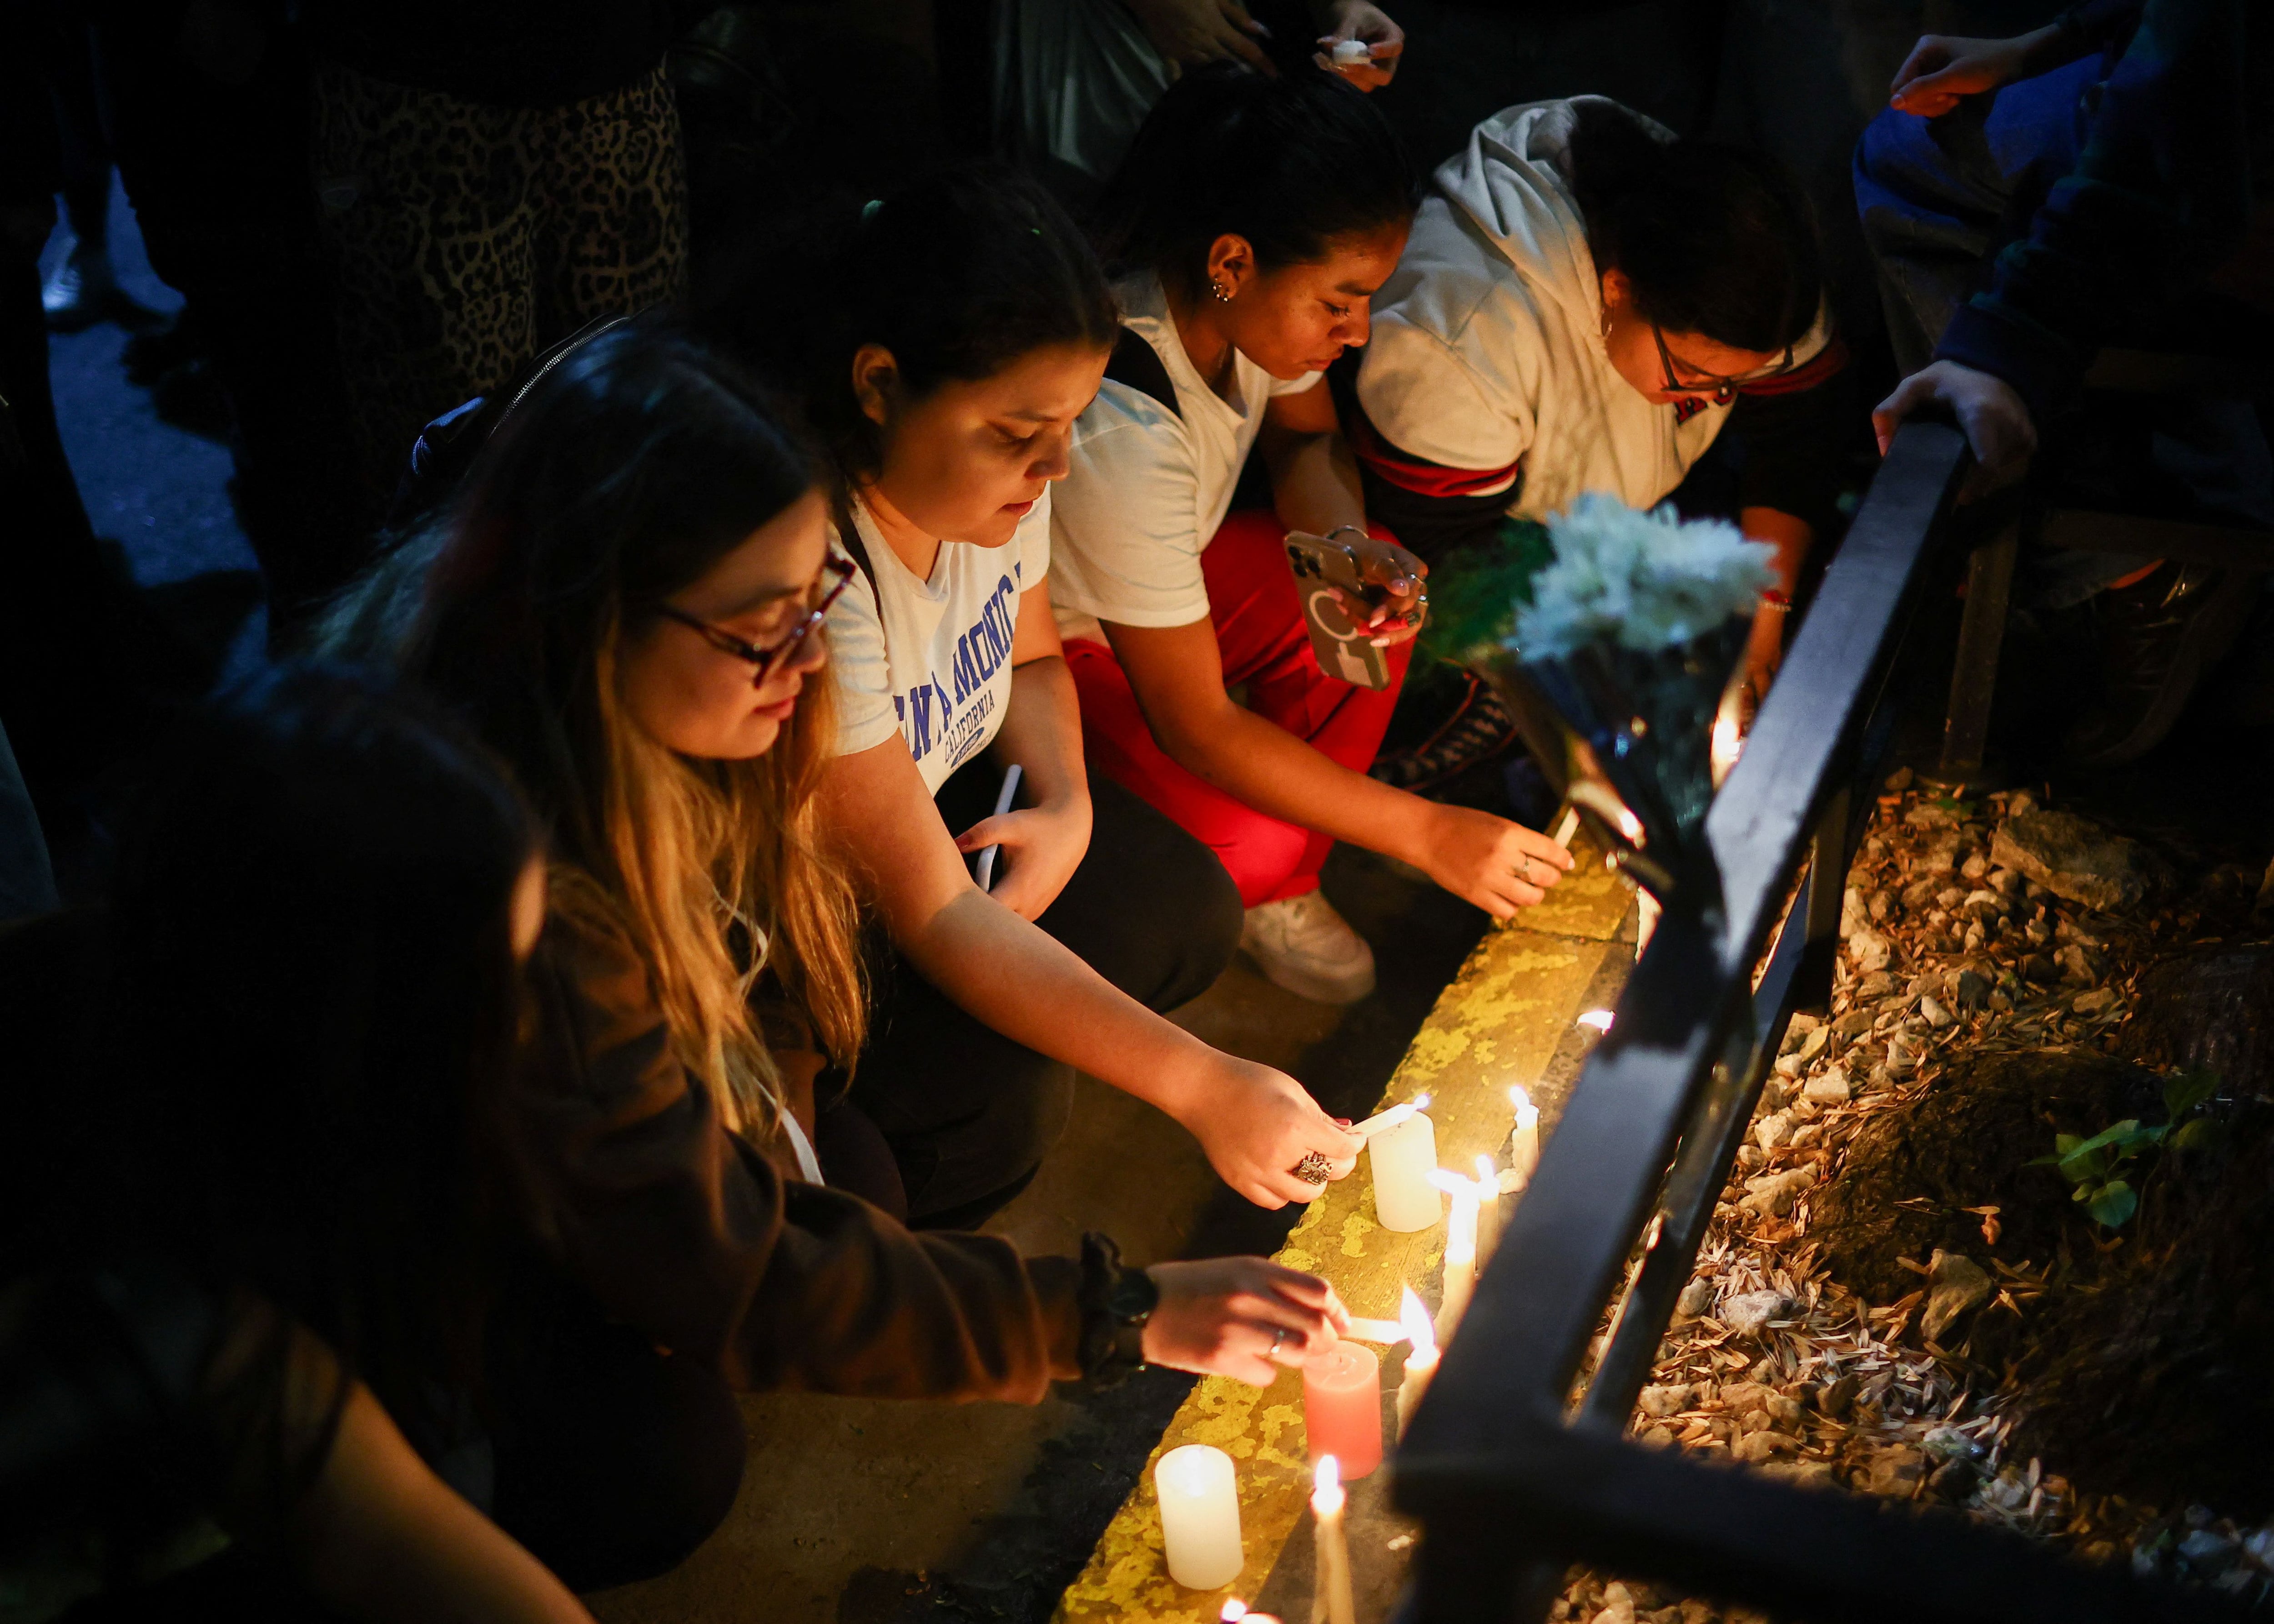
column 1200, row 1516
column 1331, row 1601
column 1420, row 1357
column 1524, row 1139
column 1460, row 1250
column 1404, row 1157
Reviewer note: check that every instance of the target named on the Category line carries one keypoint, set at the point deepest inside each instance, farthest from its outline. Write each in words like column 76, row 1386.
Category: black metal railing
column 1512, row 1478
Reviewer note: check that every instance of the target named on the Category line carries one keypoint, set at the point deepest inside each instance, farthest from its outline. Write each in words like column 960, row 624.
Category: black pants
column 969, row 1114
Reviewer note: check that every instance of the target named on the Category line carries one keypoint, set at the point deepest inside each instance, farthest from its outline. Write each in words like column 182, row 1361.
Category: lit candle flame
column 1420, row 1102
column 1488, row 1175
column 1327, row 1486
column 1234, row 1610
column 1599, row 1020
column 1727, row 743
column 1420, row 1335
column 1527, row 1114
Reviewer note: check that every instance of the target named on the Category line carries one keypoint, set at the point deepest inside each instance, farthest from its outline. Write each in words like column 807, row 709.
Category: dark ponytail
column 960, row 274
column 1715, row 239
column 1290, row 163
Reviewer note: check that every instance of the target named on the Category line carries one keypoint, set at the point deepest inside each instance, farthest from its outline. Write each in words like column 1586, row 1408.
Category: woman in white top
column 944, row 355
column 1584, row 304
column 1256, row 217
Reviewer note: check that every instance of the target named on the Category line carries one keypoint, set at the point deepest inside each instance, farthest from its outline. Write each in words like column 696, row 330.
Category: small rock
column 2075, row 963
column 1802, row 1474
column 1882, row 904
column 1931, row 814
column 1814, row 1043
column 1975, row 867
column 1853, row 1024
column 1695, row 1298
column 1836, row 1398
column 1752, row 1158
column 1903, row 1059
column 1941, row 853
column 1876, row 985
column 1953, row 1480
column 1660, row 1436
column 1957, row 1285
column 1896, row 1474
column 2041, row 968
column 2006, row 882
column 1771, row 1132
column 2019, row 800
column 1919, row 893
column 2072, row 858
column 1899, row 780
column 1786, row 1412
column 1853, row 912
column 1618, row 1606
column 1972, row 991
column 2092, row 1003
column 1772, row 1195
column 1750, row 1315
column 1666, row 1401
column 1742, row 1398
column 1936, row 1015
column 1869, row 950
column 1829, row 1089
column 1757, row 1447
column 2207, row 1551
column 1947, row 1443
column 2259, row 1545
column 1949, row 896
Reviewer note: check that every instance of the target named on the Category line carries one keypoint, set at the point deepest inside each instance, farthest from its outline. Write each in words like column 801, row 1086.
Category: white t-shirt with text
column 931, row 659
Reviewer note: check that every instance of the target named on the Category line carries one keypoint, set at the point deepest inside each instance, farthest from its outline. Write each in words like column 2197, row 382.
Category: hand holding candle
column 1331, row 1601
column 1200, row 1516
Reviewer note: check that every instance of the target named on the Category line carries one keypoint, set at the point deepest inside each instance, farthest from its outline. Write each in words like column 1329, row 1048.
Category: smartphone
column 1344, row 650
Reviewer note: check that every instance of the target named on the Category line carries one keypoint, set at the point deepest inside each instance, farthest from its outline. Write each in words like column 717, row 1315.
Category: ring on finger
column 1277, row 1336
column 1313, row 1168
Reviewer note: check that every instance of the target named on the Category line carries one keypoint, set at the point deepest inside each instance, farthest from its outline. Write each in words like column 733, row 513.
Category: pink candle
column 1342, row 1407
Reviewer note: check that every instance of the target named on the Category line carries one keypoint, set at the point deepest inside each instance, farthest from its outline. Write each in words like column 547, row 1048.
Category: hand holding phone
column 1331, row 580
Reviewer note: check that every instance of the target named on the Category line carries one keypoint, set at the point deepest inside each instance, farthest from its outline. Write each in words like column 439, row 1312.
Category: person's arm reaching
column 2159, row 194
column 1254, row 1123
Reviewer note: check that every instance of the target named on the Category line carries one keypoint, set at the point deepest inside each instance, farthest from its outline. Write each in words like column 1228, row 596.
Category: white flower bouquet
column 1631, row 634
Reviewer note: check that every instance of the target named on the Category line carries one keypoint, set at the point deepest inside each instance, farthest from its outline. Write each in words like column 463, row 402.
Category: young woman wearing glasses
column 1586, row 304
column 952, row 336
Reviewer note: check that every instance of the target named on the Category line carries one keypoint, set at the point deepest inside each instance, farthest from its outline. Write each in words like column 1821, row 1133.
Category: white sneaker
column 1307, row 947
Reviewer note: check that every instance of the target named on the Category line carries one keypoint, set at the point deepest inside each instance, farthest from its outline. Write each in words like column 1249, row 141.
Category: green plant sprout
column 2101, row 1167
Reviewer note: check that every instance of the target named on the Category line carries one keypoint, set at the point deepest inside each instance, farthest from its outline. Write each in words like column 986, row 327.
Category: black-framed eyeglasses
column 1722, row 389
column 766, row 659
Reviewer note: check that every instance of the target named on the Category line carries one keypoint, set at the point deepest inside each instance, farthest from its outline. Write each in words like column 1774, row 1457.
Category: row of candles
column 1342, row 1388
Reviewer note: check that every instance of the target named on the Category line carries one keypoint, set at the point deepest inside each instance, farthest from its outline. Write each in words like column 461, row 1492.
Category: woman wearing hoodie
column 1584, row 303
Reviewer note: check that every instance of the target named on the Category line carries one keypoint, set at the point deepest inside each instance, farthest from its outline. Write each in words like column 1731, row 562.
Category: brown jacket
column 688, row 1232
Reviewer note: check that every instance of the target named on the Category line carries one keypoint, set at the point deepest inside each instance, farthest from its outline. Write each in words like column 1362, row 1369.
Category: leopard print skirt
column 468, row 237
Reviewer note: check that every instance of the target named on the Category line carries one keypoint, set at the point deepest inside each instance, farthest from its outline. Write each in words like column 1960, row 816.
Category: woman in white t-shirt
column 1256, row 217
column 944, row 354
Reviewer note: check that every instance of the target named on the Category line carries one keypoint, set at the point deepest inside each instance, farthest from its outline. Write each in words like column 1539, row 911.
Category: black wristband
column 1116, row 1303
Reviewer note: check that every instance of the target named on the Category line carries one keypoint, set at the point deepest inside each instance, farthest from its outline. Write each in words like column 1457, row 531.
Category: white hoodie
column 1487, row 343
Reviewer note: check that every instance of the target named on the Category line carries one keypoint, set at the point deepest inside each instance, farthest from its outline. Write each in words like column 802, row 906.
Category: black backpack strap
column 848, row 537
column 1139, row 365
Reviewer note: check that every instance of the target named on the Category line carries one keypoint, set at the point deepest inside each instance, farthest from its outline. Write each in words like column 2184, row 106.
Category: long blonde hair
column 620, row 477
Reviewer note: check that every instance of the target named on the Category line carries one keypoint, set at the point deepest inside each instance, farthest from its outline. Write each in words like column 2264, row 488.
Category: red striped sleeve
column 1410, row 473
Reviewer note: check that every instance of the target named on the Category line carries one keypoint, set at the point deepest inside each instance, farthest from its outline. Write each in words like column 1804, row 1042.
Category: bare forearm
column 1041, row 731
column 1791, row 538
column 384, row 1539
column 1315, row 483
column 1022, row 983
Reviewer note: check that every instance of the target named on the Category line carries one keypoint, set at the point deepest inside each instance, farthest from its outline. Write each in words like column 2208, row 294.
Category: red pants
column 1260, row 638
